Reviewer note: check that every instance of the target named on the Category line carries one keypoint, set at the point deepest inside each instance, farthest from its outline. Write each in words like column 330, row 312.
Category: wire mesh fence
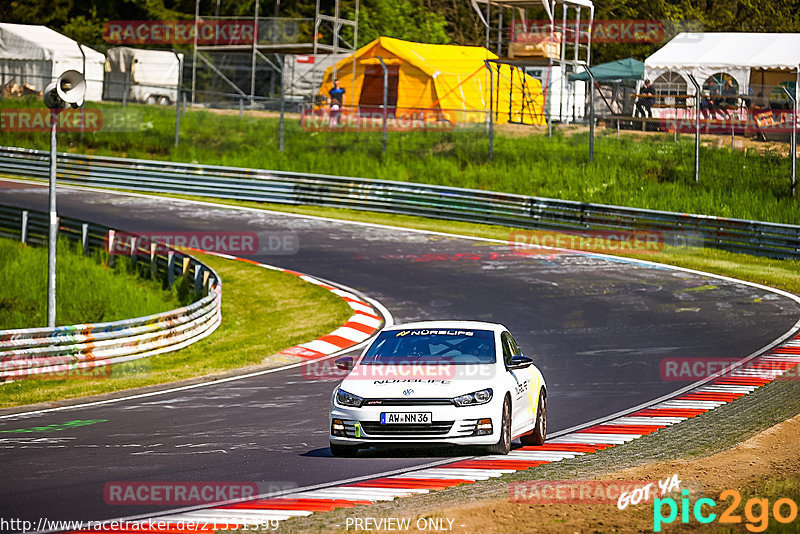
column 155, row 115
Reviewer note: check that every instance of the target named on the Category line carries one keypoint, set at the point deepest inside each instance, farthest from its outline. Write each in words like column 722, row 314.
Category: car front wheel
column 503, row 444
column 539, row 434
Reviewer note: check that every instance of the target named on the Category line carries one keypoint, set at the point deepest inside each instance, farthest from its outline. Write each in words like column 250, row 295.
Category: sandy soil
column 773, row 453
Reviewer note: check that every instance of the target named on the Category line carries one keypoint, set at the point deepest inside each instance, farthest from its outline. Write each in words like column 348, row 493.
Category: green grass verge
column 651, row 172
column 263, row 312
column 87, row 290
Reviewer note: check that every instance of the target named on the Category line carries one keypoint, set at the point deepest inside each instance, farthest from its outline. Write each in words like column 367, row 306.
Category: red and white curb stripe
column 363, row 324
column 718, row 391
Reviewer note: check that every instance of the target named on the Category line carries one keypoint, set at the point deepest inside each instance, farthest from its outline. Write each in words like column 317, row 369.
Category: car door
column 520, row 382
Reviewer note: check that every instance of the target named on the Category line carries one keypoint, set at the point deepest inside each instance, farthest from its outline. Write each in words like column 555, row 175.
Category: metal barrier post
column 133, row 250
column 85, row 238
column 591, row 114
column 793, row 143
column 52, row 235
column 170, row 268
column 153, row 260
column 83, row 103
column 491, row 104
column 23, row 235
column 198, row 277
column 794, row 136
column 241, row 108
column 178, row 94
column 385, row 98
column 112, row 258
column 283, row 81
column 696, row 128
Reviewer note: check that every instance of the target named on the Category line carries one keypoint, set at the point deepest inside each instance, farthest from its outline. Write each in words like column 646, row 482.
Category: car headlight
column 471, row 399
column 344, row 398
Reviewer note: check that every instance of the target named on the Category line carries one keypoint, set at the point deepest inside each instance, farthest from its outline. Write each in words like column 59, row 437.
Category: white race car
column 439, row 382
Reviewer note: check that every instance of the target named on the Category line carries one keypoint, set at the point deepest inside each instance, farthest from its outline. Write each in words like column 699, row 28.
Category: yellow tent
column 451, row 81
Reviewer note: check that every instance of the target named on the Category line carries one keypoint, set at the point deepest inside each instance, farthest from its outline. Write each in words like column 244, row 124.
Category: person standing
column 337, row 101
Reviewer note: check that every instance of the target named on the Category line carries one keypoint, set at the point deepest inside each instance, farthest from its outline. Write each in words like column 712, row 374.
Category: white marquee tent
column 36, row 55
column 756, row 61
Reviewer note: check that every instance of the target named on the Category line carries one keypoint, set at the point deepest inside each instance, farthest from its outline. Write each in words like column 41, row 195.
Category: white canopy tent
column 36, row 55
column 755, row 60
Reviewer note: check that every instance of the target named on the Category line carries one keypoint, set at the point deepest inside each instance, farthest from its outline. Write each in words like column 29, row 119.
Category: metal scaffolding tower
column 273, row 37
column 566, row 42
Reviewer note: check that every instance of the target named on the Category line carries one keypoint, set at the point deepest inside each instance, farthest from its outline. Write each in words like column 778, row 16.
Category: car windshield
column 414, row 346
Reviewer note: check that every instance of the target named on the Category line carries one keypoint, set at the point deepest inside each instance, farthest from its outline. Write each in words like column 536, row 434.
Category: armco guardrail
column 87, row 349
column 767, row 239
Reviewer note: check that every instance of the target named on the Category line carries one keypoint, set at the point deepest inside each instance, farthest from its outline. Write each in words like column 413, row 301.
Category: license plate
column 399, row 418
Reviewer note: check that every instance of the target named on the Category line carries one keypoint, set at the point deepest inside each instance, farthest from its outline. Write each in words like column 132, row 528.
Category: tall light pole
column 69, row 88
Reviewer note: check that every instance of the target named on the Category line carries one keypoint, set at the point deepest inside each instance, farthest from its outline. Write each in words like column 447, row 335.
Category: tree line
column 429, row 21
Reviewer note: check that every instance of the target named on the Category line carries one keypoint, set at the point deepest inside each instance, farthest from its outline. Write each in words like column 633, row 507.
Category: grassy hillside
column 651, row 172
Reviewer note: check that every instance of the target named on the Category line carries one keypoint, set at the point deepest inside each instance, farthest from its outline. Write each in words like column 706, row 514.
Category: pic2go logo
column 756, row 511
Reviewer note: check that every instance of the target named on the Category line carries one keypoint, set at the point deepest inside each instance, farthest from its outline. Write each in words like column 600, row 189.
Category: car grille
column 436, row 428
column 406, row 402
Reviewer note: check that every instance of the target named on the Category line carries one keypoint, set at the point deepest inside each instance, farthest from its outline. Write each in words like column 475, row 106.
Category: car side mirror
column 344, row 364
column 520, row 362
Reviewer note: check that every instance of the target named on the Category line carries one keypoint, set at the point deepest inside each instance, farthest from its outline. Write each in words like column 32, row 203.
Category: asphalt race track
column 598, row 328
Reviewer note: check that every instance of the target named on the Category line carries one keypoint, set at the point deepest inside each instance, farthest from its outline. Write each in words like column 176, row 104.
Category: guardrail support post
column 23, row 237
column 170, row 268
column 85, row 238
column 111, row 256
column 133, row 250
column 185, row 266
column 153, row 261
column 198, row 278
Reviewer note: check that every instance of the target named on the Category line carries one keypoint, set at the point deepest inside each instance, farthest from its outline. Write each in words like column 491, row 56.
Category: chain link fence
column 127, row 103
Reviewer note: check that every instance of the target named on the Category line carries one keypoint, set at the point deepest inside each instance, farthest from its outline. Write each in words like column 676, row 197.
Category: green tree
column 404, row 19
